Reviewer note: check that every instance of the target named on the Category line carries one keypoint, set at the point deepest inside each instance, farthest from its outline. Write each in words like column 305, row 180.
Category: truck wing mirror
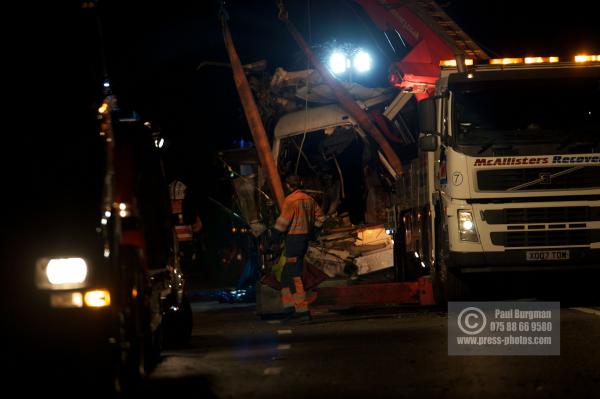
column 428, row 142
column 427, row 116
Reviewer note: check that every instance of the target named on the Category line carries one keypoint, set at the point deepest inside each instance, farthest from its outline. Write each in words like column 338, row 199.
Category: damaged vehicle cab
column 350, row 178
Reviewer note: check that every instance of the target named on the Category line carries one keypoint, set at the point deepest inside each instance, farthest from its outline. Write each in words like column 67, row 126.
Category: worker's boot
column 300, row 302
column 287, row 300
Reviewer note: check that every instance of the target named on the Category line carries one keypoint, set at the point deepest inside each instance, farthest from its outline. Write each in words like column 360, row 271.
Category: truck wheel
column 128, row 369
column 448, row 285
column 438, row 278
column 457, row 288
column 439, row 268
column 179, row 324
column 186, row 319
column 129, row 350
column 406, row 267
column 155, row 346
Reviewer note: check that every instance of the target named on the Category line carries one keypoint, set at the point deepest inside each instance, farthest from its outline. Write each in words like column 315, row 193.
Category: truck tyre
column 153, row 347
column 129, row 367
column 186, row 321
column 448, row 284
column 178, row 324
column 457, row 287
column 406, row 266
column 438, row 270
column 129, row 349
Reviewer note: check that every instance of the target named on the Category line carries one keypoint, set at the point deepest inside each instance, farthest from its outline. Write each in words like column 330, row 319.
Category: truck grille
column 545, row 238
column 504, row 179
column 541, row 215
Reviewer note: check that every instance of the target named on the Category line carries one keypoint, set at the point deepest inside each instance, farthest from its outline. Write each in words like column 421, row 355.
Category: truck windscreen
column 525, row 116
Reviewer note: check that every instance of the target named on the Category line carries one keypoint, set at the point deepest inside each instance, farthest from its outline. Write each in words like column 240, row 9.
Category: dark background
column 151, row 51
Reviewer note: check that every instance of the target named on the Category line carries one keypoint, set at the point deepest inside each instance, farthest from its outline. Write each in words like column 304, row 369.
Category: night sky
column 152, row 50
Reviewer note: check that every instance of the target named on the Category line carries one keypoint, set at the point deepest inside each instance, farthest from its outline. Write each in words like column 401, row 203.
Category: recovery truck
column 509, row 165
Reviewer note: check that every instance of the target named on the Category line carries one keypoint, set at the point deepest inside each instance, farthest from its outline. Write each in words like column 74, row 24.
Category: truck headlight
column 61, row 273
column 466, row 226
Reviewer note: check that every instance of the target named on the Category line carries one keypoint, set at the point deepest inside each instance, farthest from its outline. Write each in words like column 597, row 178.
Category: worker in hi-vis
column 300, row 221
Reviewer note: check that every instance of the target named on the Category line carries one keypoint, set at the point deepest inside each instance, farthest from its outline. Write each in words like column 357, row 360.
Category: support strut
column 342, row 95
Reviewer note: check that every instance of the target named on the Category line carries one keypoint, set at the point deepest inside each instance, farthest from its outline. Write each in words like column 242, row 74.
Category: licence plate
column 548, row 255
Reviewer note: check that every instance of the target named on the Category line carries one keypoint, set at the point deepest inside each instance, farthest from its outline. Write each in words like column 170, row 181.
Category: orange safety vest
column 299, row 213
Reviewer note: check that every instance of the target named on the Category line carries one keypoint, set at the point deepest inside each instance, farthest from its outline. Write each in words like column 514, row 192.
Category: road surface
column 397, row 353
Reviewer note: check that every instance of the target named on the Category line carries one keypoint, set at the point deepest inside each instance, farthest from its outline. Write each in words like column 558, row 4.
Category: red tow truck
column 97, row 290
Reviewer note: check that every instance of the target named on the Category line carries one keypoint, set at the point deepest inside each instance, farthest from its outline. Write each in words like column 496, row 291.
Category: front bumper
column 75, row 336
column 515, row 260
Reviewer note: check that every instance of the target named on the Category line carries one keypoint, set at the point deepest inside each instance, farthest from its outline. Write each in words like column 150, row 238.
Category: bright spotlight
column 362, row 61
column 159, row 142
column 337, row 62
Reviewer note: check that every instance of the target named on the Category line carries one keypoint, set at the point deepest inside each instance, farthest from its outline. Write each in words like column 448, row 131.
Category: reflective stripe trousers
column 292, row 291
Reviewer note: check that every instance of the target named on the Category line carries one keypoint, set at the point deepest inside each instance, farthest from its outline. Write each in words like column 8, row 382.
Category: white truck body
column 529, row 196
